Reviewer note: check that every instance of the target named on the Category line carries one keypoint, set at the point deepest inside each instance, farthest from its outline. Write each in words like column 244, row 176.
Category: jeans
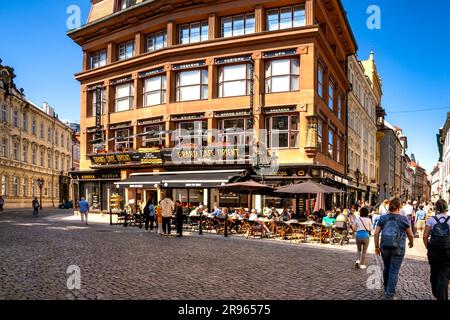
column 392, row 259
column 166, row 225
column 149, row 220
column 362, row 244
column 180, row 224
column 35, row 212
column 440, row 273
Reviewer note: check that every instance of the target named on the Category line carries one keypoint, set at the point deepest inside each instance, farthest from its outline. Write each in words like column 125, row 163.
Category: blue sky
column 411, row 49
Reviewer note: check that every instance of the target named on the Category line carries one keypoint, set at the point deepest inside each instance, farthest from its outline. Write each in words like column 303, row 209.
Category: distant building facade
column 34, row 145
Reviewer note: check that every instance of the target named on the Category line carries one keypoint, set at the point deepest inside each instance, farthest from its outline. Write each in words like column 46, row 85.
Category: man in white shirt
column 384, row 207
column 167, row 208
column 408, row 211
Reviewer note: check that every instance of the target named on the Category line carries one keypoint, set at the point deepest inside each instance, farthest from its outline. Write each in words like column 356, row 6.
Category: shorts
column 421, row 224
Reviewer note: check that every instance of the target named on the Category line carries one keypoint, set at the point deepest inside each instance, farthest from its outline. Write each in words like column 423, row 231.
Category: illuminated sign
column 143, row 156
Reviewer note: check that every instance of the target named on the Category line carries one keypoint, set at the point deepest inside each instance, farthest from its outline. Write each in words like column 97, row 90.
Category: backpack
column 152, row 211
column 440, row 235
column 391, row 234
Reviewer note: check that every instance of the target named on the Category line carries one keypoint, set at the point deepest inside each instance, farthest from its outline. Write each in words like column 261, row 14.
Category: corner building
column 171, row 71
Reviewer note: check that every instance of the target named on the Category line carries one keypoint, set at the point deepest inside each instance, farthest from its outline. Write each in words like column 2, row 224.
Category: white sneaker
column 363, row 267
column 357, row 263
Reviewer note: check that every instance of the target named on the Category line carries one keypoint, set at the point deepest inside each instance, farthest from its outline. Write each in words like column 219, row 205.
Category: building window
column 124, row 97
column 192, row 85
column 4, row 114
column 339, row 150
column 156, row 137
column 234, row 80
column 157, row 41
column 98, row 59
column 331, row 143
column 320, row 83
column 4, row 185
column 194, row 32
column 124, row 4
column 4, row 150
column 49, row 159
column 62, row 140
column 123, row 139
column 24, row 121
column 126, row 50
column 282, row 75
column 331, row 95
column 93, row 109
column 42, row 155
column 16, row 151
column 320, row 135
column 282, row 132
column 238, row 25
column 16, row 118
column 33, row 154
column 49, row 134
column 235, row 131
column 16, row 186
column 57, row 161
column 155, row 91
column 56, row 138
column 25, row 152
column 192, row 133
column 24, row 187
column 339, row 105
column 286, row 18
column 33, row 127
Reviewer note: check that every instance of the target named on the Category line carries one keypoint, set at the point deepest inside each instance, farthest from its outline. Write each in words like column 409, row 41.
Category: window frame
column 200, row 85
column 331, row 93
column 154, row 36
column 97, row 59
column 244, row 134
column 124, row 57
column 320, row 81
column 203, row 24
column 291, row 75
column 127, row 143
column 221, row 82
column 192, row 137
column 160, row 139
column 331, row 143
column 292, row 17
column 289, row 131
column 233, row 18
column 162, row 91
column 130, row 96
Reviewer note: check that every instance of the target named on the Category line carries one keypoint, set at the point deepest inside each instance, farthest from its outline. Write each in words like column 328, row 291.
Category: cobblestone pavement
column 127, row 263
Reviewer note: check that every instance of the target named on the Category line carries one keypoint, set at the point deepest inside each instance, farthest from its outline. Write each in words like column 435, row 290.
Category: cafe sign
column 207, row 155
column 143, row 156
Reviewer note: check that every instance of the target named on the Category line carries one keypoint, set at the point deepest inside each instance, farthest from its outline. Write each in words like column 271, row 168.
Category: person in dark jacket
column 149, row 215
column 179, row 218
column 35, row 205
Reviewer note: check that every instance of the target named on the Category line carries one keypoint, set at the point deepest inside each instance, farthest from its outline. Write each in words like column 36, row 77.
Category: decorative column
column 171, row 34
column 213, row 27
column 260, row 21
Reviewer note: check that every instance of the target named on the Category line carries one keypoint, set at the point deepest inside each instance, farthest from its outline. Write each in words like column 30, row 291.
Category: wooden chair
column 294, row 232
column 280, row 229
column 245, row 227
column 254, row 229
column 317, row 232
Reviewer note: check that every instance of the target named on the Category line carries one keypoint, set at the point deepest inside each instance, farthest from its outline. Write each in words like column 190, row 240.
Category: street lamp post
column 40, row 183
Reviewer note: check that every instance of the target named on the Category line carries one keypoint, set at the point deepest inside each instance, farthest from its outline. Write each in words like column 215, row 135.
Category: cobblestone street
column 127, row 263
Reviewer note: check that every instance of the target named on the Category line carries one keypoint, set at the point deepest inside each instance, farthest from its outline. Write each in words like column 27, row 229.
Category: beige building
column 363, row 164
column 34, row 147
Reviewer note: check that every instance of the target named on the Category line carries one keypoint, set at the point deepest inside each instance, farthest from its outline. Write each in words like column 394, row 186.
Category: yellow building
column 35, row 149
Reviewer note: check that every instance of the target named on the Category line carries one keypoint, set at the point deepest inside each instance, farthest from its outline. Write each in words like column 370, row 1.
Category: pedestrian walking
column 179, row 218
column 437, row 240
column 35, row 205
column 159, row 219
column 2, row 203
column 149, row 215
column 420, row 220
column 384, row 207
column 84, row 211
column 363, row 229
column 167, row 208
column 393, row 229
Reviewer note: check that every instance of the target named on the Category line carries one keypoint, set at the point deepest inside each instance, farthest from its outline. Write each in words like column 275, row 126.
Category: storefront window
column 91, row 192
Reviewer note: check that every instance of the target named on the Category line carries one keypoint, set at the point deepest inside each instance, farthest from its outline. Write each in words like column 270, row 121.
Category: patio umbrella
column 320, row 202
column 248, row 187
column 308, row 188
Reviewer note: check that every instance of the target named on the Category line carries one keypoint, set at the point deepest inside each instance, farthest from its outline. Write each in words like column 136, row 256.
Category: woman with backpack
column 393, row 228
column 437, row 240
column 149, row 214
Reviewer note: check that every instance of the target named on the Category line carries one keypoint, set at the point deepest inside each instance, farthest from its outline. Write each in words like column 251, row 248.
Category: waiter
column 179, row 218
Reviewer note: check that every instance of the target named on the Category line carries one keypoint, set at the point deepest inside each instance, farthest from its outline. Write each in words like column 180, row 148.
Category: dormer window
column 124, row 4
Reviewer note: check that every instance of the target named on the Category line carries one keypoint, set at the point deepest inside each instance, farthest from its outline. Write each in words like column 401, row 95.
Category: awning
column 181, row 179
